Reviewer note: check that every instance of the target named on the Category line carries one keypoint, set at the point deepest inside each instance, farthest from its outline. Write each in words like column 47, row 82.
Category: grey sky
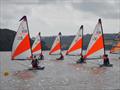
column 51, row 16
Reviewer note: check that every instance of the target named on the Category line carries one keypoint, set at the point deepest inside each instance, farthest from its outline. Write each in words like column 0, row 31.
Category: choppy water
column 59, row 75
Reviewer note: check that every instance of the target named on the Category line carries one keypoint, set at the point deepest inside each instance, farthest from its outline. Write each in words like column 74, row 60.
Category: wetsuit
column 81, row 60
column 41, row 57
column 35, row 63
column 106, row 61
column 60, row 58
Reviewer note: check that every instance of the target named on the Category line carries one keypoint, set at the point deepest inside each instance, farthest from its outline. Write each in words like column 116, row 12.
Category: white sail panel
column 96, row 44
column 56, row 48
column 97, row 54
column 37, row 47
column 22, row 55
column 21, row 42
column 76, row 46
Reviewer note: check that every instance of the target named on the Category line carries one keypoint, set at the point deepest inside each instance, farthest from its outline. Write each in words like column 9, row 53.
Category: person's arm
column 37, row 62
column 32, row 62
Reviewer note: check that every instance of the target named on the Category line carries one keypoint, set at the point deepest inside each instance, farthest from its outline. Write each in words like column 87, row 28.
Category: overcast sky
column 51, row 16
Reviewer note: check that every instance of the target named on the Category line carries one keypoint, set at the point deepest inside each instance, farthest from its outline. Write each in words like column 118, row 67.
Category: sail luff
column 82, row 40
column 40, row 41
column 60, row 43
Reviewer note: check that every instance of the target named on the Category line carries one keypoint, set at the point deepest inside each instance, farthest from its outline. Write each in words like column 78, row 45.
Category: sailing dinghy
column 116, row 48
column 56, row 47
column 21, row 49
column 37, row 47
column 96, row 47
column 76, row 46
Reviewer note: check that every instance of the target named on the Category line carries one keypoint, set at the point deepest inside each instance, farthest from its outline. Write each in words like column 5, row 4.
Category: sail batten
column 21, row 48
column 77, row 44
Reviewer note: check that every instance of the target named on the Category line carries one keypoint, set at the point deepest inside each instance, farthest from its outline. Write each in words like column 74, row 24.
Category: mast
column 40, row 41
column 102, row 34
column 29, row 36
column 82, row 38
column 60, row 43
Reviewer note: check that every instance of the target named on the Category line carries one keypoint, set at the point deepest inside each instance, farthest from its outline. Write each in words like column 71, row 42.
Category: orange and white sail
column 56, row 48
column 96, row 48
column 116, row 49
column 77, row 44
column 21, row 48
column 37, row 46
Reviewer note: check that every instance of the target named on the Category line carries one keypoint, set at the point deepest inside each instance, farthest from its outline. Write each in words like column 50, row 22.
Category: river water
column 59, row 75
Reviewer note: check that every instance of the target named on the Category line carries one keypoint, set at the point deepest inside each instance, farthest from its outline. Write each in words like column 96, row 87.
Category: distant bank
column 7, row 37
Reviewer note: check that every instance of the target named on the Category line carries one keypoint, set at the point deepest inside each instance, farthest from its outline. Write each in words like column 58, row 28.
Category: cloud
column 103, row 8
column 10, row 14
column 52, row 16
column 30, row 1
column 106, row 9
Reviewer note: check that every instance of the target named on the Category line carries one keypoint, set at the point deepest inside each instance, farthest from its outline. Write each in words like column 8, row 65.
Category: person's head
column 60, row 53
column 81, row 55
column 41, row 54
column 105, row 56
column 34, row 57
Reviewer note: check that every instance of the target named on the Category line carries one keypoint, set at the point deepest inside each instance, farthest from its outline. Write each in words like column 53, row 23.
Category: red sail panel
column 116, row 49
column 76, row 46
column 57, row 47
column 96, row 46
column 37, row 48
column 22, row 47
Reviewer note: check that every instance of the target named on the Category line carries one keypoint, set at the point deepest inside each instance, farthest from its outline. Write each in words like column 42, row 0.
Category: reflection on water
column 98, row 70
column 24, row 74
column 59, row 75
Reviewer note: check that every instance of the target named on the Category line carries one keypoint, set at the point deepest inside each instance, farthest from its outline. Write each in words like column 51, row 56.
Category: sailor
column 35, row 63
column 106, row 60
column 81, row 60
column 61, row 57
